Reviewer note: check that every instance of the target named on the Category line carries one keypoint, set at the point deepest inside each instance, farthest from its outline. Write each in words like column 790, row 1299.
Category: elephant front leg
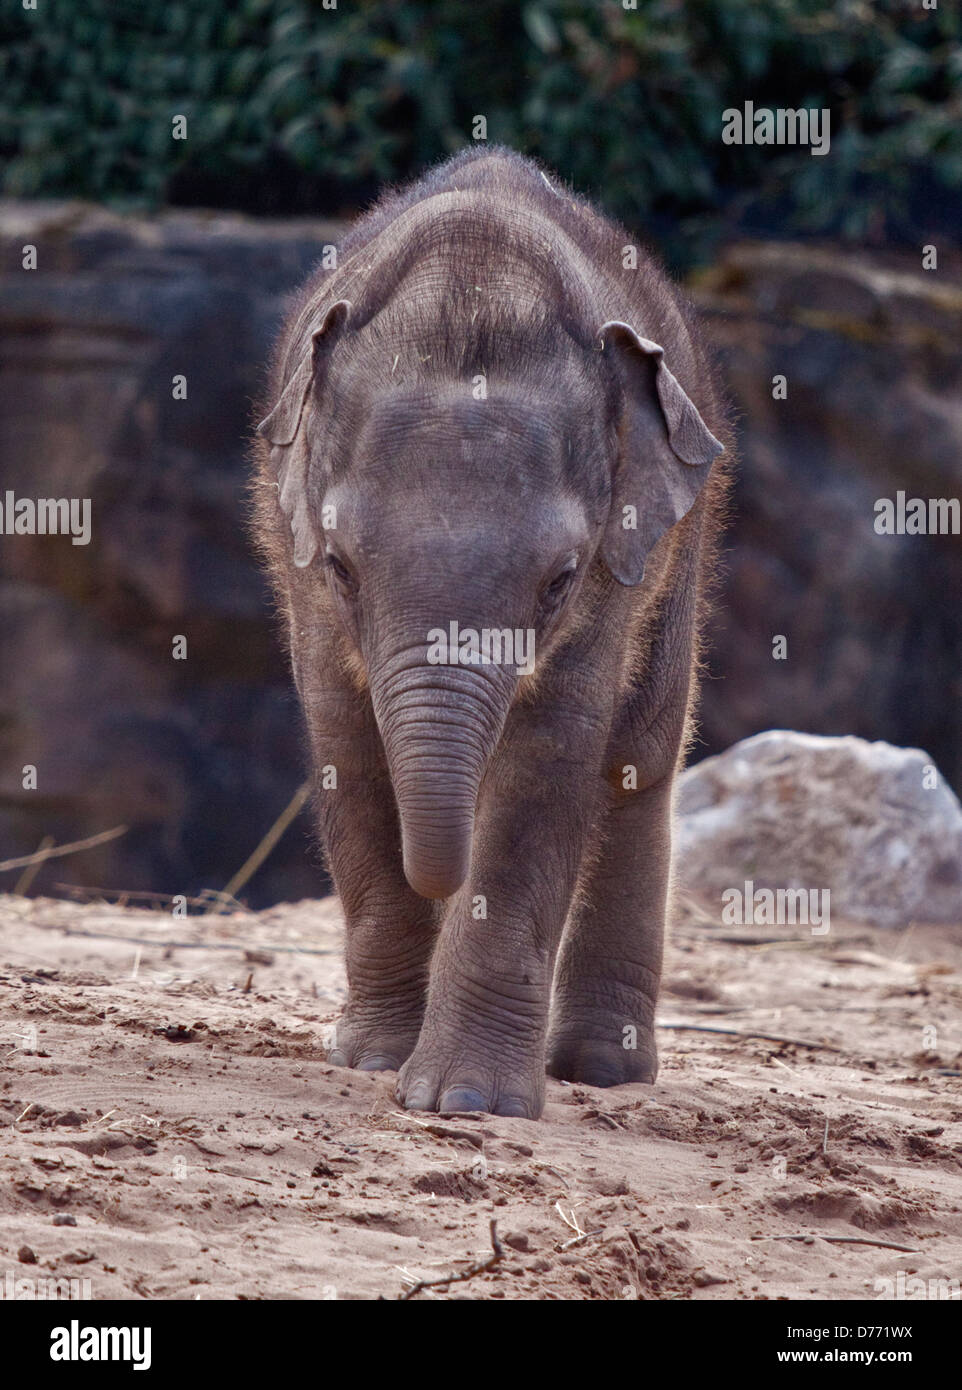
column 482, row 1043
column 606, row 987
column 609, row 970
column 390, row 932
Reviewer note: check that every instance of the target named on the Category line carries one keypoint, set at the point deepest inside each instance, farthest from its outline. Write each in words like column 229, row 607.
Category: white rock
column 875, row 825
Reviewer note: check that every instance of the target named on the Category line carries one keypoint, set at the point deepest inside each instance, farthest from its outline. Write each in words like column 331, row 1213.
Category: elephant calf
column 487, row 499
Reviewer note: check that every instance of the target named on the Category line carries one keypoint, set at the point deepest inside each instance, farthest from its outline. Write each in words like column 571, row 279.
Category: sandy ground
column 169, row 1127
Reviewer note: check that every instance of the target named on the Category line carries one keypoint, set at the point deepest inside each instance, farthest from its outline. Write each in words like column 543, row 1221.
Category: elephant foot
column 460, row 1077
column 596, row 1060
column 370, row 1043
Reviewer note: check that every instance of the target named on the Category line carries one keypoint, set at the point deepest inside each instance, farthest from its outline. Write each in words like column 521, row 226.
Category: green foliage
column 293, row 107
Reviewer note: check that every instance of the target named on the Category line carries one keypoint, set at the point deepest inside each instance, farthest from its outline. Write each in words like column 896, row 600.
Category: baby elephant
column 487, row 500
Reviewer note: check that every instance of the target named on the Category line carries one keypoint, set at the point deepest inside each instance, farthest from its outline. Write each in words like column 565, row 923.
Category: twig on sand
column 580, row 1236
column 809, row 1236
column 58, row 851
column 738, row 1033
column 744, row 939
column 480, row 1267
column 126, row 896
column 177, row 945
column 546, row 1167
column 608, row 1120
column 571, row 1220
column 577, row 1240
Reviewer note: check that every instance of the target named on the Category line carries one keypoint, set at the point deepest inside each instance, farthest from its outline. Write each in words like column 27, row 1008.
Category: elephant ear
column 285, row 429
column 665, row 453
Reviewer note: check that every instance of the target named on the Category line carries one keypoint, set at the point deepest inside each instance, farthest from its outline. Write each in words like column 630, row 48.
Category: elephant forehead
column 448, row 431
column 472, row 516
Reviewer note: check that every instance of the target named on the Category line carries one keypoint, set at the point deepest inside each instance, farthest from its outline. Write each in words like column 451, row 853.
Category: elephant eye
column 561, row 582
column 340, row 571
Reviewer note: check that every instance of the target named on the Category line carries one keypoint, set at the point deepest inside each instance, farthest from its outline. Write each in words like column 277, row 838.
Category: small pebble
column 517, row 1240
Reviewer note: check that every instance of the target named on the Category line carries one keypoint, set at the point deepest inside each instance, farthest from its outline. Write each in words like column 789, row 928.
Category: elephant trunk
column 439, row 725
